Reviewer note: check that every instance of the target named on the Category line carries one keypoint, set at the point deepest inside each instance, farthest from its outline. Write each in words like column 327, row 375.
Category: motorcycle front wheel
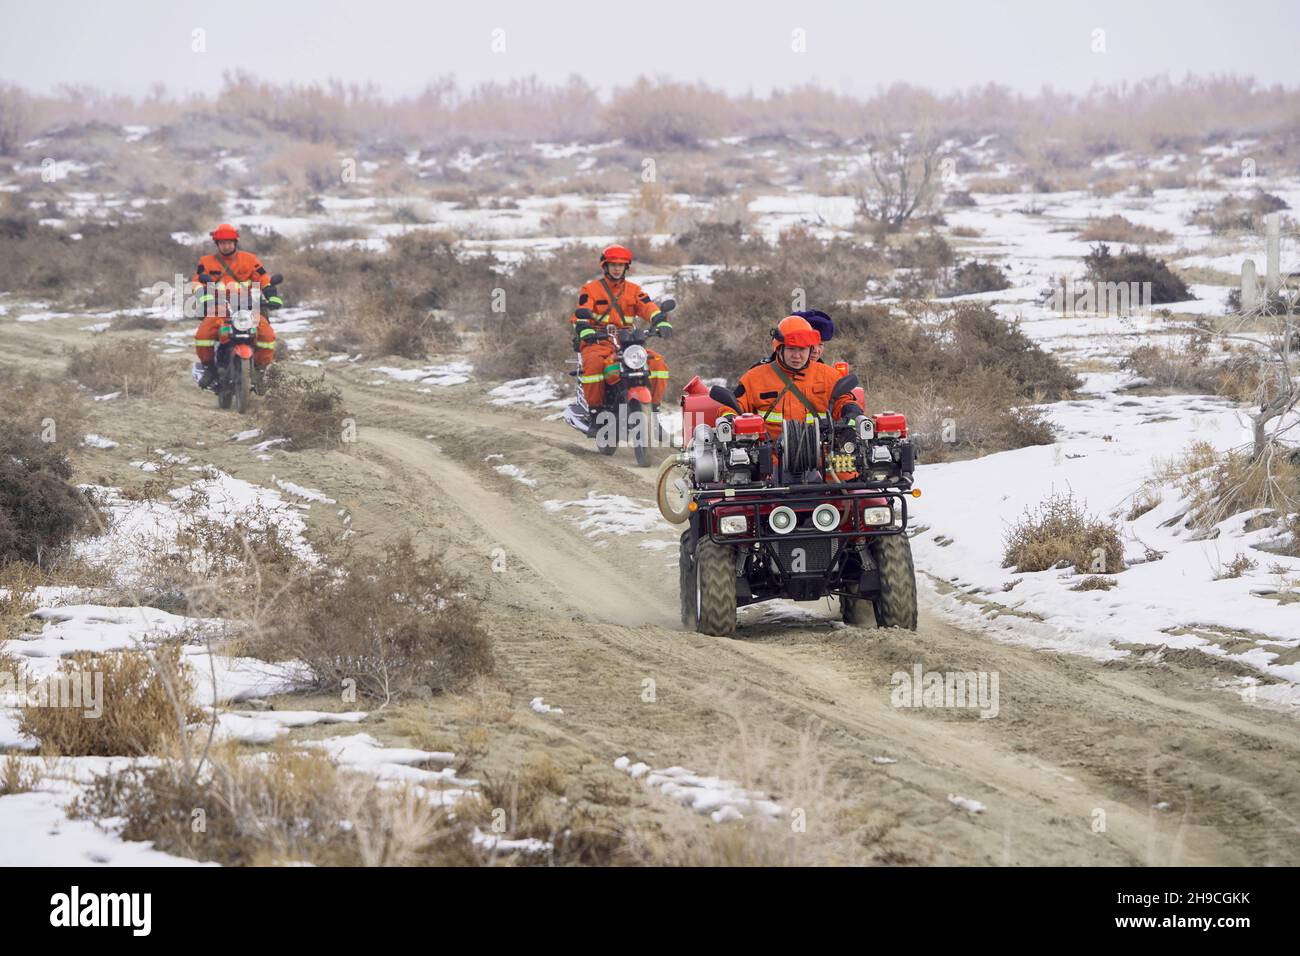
column 243, row 373
column 638, row 431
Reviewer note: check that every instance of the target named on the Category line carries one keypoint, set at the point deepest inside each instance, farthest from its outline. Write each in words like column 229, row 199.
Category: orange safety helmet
column 224, row 231
column 796, row 331
column 616, row 254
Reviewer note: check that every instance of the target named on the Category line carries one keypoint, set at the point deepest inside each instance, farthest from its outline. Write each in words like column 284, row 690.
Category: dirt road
column 1130, row 762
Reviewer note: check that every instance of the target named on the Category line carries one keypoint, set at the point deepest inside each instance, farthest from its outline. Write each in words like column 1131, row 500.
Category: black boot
column 209, row 375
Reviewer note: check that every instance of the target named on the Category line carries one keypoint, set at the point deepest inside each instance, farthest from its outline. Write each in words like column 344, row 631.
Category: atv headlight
column 782, row 520
column 733, row 524
column 634, row 357
column 826, row 517
column 242, row 321
column 877, row 515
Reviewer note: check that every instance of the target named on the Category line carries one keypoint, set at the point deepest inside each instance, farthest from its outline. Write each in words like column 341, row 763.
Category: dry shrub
column 105, row 268
column 137, row 323
column 1060, row 533
column 398, row 625
column 132, row 368
column 534, row 344
column 146, row 705
column 18, row 582
column 1095, row 582
column 1118, row 229
column 303, row 167
column 1235, row 213
column 307, row 411
column 1220, row 485
column 533, row 336
column 1137, row 267
column 976, row 413
column 29, row 401
column 40, row 509
column 386, row 302
column 1184, row 366
column 1147, row 498
column 661, row 115
column 580, row 832
column 1236, row 567
column 284, row 806
column 19, row 775
column 974, row 276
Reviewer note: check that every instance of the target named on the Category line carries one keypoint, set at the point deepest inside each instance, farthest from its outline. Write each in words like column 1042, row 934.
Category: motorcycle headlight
column 634, row 357
column 733, row 524
column 242, row 321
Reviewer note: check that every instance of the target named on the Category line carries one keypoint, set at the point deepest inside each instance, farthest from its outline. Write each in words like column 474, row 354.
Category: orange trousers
column 599, row 369
column 209, row 335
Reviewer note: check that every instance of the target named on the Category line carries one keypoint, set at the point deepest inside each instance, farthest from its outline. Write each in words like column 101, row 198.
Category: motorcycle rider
column 791, row 385
column 616, row 301
column 235, row 270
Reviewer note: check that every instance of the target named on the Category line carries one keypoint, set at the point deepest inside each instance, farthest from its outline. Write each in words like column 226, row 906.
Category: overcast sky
column 738, row 46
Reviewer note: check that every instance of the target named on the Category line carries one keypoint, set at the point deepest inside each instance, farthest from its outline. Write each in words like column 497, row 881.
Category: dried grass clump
column 1060, row 533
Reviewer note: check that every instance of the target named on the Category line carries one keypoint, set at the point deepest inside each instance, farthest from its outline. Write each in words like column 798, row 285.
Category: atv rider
column 236, row 271
column 792, row 386
column 616, row 301
column 822, row 323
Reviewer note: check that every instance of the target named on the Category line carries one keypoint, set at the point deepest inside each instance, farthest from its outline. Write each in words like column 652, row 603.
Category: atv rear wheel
column 895, row 606
column 715, row 589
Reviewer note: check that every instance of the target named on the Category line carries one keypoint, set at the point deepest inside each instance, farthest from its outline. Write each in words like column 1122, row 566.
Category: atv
column 820, row 511
column 626, row 417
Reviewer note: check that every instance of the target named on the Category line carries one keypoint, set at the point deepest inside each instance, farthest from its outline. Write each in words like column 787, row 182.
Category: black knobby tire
column 895, row 606
column 686, row 581
column 243, row 381
column 599, row 416
column 715, row 580
column 638, row 431
column 857, row 612
column 225, row 392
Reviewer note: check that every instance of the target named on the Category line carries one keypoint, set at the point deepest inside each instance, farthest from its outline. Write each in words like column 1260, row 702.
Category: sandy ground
column 1127, row 762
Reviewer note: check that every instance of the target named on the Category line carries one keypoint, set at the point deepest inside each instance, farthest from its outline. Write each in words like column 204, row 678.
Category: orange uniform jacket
column 246, row 267
column 760, row 388
column 635, row 304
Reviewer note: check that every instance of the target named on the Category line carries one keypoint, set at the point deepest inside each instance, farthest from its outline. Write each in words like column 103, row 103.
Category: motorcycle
column 627, row 415
column 820, row 511
column 237, row 374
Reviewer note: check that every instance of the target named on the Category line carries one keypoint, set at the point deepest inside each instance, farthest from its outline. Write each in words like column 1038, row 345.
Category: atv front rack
column 803, row 496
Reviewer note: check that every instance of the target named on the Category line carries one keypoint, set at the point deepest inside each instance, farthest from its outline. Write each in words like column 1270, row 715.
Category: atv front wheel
column 895, row 606
column 715, row 589
column 857, row 612
column 686, row 582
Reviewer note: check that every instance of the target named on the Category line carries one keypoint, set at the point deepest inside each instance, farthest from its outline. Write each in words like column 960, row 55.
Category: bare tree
column 1272, row 329
column 904, row 178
